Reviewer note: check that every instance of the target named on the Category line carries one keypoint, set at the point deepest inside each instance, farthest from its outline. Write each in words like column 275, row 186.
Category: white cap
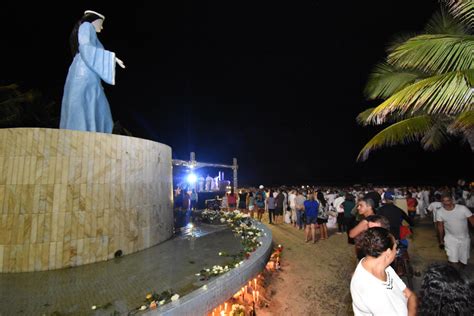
column 96, row 13
column 260, row 187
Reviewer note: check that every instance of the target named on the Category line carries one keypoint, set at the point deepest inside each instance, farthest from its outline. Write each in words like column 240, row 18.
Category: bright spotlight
column 192, row 178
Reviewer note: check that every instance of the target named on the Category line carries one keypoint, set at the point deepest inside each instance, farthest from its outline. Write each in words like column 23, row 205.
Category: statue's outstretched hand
column 120, row 62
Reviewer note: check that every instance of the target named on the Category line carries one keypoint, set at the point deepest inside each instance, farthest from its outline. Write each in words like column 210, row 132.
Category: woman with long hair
column 311, row 207
column 375, row 287
column 84, row 105
column 322, row 215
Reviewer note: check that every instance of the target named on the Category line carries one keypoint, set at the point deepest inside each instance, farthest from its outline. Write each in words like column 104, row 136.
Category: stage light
column 192, row 178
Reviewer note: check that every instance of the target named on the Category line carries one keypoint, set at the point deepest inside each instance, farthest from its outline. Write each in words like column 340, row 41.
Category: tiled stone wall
column 69, row 198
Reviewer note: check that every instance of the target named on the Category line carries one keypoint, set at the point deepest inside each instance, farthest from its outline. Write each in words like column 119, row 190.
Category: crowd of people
column 377, row 221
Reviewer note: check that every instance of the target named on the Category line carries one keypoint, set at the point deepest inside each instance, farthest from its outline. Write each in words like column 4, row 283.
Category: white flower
column 250, row 233
column 143, row 307
column 94, row 307
column 220, row 253
column 162, row 302
column 174, row 297
column 208, row 270
column 236, row 265
column 222, row 220
column 198, row 274
column 204, row 287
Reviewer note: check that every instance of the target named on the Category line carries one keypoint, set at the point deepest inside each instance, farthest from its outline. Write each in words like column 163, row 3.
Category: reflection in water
column 122, row 282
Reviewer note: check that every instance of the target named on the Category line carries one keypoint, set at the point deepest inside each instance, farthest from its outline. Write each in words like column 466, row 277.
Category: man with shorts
column 453, row 229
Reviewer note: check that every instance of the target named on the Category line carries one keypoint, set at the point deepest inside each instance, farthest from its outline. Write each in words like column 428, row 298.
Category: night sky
column 276, row 84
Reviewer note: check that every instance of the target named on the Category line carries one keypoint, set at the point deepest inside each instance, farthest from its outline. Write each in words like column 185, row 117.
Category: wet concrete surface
column 122, row 283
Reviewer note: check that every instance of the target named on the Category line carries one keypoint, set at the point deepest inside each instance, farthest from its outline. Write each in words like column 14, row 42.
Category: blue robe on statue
column 84, row 105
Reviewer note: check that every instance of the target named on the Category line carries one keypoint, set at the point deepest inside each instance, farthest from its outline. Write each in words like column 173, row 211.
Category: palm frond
column 449, row 94
column 463, row 10
column 463, row 122
column 436, row 136
column 8, row 87
column 363, row 117
column 385, row 80
column 399, row 39
column 444, row 23
column 435, row 53
column 409, row 130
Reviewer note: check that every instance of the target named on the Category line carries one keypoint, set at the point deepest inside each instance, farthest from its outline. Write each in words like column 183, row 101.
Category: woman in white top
column 375, row 287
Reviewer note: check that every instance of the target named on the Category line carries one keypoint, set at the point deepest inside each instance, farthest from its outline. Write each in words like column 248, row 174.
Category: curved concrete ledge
column 202, row 301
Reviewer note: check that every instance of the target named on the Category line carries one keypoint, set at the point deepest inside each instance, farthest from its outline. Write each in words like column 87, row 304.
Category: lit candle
column 253, row 294
column 222, row 313
column 255, row 283
column 250, row 283
column 225, row 307
column 257, row 295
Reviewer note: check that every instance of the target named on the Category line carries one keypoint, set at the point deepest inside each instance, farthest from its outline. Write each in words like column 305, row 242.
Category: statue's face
column 98, row 25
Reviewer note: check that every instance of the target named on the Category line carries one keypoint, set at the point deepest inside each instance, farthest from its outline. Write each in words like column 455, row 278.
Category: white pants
column 457, row 249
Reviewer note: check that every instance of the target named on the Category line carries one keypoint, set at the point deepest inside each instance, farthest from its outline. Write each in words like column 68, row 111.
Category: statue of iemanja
column 84, row 105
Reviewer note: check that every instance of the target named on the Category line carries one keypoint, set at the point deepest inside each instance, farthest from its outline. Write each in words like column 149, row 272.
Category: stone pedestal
column 69, row 198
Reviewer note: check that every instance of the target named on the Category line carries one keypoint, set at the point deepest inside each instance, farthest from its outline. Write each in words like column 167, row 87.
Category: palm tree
column 427, row 84
column 26, row 108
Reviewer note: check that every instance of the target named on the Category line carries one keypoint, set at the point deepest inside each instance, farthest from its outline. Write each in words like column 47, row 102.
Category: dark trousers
column 341, row 227
column 299, row 219
column 271, row 215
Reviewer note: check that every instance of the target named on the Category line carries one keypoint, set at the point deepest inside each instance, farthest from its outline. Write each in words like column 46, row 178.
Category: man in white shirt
column 330, row 196
column 291, row 201
column 453, row 229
